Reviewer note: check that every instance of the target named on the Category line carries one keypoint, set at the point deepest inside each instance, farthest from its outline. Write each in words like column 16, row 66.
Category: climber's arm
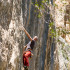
column 22, row 28
column 27, row 34
column 24, row 48
column 31, row 54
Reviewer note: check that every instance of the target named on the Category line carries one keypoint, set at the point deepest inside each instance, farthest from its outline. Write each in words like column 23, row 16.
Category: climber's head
column 35, row 38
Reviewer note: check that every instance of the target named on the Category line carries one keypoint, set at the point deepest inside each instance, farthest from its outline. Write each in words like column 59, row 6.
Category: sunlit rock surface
column 49, row 53
column 62, row 15
column 10, row 35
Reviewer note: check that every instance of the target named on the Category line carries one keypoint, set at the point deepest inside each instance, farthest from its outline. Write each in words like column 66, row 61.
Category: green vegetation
column 40, row 6
column 41, row 9
column 69, row 20
column 52, row 30
column 55, row 5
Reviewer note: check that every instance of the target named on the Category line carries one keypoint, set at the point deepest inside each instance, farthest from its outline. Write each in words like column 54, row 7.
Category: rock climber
column 27, row 52
column 27, row 49
column 32, row 41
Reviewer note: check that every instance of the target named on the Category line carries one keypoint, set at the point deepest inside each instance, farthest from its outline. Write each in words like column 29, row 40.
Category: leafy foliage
column 40, row 7
column 41, row 10
column 52, row 30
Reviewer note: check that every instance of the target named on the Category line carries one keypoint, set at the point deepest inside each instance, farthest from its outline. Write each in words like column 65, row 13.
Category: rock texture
column 10, row 35
column 36, row 26
column 62, row 11
column 50, row 53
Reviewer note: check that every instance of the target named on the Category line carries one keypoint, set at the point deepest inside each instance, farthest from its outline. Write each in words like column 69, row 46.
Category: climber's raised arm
column 26, row 33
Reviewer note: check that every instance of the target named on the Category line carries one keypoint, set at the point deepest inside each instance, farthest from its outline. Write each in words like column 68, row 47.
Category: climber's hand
column 25, row 47
column 31, row 54
column 21, row 27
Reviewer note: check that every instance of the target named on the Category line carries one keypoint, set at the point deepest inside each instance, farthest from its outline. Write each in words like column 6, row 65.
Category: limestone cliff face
column 10, row 35
column 18, row 13
column 36, row 26
column 15, row 13
column 62, row 16
column 12, row 15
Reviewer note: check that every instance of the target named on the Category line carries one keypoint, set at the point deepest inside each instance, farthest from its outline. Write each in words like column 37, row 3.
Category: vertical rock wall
column 62, row 27
column 12, row 39
column 44, row 57
column 10, row 36
column 15, row 13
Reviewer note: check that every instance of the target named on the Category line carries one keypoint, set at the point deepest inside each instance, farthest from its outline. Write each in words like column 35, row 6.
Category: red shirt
column 25, row 58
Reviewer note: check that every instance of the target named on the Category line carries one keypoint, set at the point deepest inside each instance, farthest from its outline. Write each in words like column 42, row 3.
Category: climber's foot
column 25, row 68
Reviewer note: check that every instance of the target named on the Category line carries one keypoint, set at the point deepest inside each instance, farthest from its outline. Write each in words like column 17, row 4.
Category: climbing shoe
column 25, row 68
